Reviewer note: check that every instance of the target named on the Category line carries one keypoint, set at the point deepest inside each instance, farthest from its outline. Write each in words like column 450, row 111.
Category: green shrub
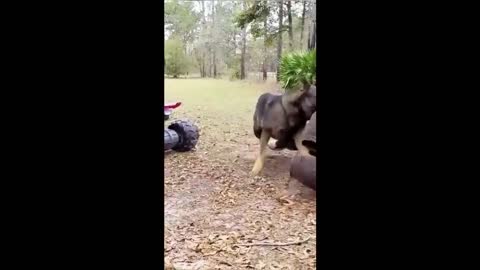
column 234, row 74
column 298, row 69
column 176, row 62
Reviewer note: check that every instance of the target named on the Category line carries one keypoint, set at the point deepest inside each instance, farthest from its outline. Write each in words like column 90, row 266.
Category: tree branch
column 274, row 244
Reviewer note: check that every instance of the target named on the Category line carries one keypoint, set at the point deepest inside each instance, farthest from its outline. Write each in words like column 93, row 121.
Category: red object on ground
column 172, row 105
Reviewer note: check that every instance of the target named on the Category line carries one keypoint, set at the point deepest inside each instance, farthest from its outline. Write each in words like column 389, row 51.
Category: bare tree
column 265, row 36
column 313, row 35
column 290, row 26
column 244, row 49
column 213, row 45
column 302, row 23
column 279, row 46
column 204, row 23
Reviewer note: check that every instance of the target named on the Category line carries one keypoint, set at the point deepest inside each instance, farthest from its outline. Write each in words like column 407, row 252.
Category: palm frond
column 298, row 69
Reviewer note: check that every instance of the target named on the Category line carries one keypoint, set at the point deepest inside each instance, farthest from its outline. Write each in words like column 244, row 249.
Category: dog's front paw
column 256, row 169
column 254, row 172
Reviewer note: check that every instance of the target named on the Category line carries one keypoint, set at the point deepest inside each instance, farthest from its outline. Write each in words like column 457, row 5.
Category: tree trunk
column 302, row 24
column 279, row 46
column 210, row 66
column 235, row 42
column 313, row 36
column 244, row 48
column 204, row 68
column 308, row 37
column 232, row 65
column 213, row 46
column 264, row 66
column 290, row 26
column 203, row 51
column 214, row 65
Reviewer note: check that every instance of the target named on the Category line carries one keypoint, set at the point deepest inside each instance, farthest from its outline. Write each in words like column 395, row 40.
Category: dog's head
column 304, row 99
column 308, row 100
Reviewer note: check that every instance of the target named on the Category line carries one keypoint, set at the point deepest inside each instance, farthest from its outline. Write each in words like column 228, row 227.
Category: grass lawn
column 215, row 98
column 223, row 108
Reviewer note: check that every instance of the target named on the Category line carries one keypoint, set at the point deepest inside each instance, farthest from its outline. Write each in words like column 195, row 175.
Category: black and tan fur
column 283, row 118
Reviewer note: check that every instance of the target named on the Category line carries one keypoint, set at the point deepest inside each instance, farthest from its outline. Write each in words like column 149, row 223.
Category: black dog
column 282, row 117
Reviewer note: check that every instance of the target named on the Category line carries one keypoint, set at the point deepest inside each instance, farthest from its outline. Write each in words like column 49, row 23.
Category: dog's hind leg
column 260, row 161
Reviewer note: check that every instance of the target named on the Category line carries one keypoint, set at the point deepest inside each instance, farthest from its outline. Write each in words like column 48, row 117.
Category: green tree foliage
column 181, row 20
column 298, row 69
column 212, row 34
column 256, row 12
column 254, row 16
column 176, row 62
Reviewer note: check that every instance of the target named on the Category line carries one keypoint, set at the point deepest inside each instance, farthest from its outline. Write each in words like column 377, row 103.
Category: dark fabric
column 304, row 169
column 310, row 133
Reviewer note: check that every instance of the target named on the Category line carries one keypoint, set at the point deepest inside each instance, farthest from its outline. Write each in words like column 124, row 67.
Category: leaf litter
column 219, row 217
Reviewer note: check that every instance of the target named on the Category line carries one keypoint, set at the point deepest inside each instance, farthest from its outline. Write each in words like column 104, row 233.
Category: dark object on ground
column 180, row 135
column 309, row 139
column 281, row 117
column 304, row 164
column 304, row 169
